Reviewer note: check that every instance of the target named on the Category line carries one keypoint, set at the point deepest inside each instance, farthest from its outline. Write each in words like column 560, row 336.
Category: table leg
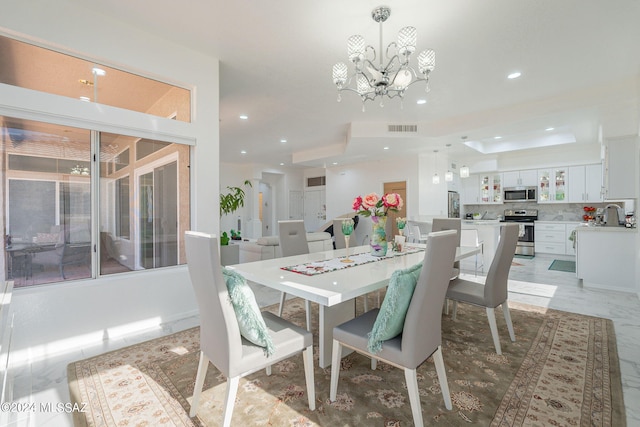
column 329, row 318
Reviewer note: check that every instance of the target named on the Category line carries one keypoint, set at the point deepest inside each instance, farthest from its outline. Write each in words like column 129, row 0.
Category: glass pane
column 32, row 67
column 47, row 221
column 144, row 203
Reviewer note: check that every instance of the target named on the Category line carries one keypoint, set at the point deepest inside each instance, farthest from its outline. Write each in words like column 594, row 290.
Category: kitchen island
column 605, row 257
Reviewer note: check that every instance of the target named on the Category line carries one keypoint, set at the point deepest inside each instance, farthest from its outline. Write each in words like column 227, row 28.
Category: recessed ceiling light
column 283, row 141
column 497, row 137
column 549, row 129
column 385, row 148
column 335, row 163
column 281, row 164
column 514, row 75
column 243, row 117
column 421, row 101
column 98, row 71
column 243, row 152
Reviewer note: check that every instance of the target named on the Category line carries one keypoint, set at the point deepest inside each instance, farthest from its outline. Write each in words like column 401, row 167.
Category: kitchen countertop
column 491, row 222
column 604, row 229
column 561, row 222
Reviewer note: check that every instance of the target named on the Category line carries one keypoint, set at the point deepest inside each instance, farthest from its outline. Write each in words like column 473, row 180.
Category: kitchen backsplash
column 546, row 211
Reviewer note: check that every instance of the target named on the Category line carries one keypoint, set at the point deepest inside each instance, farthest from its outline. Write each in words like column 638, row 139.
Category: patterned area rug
column 562, row 370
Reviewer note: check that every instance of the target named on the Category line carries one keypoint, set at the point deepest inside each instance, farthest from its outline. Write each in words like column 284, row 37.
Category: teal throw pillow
column 250, row 320
column 390, row 320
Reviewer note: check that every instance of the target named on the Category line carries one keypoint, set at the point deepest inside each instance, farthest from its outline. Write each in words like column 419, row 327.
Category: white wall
column 54, row 313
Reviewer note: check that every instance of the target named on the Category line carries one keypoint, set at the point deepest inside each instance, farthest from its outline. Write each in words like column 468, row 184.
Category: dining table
column 324, row 278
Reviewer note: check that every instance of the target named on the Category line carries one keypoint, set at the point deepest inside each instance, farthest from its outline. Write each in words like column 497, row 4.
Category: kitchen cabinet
column 604, row 259
column 585, row 184
column 621, row 166
column 552, row 185
column 550, row 238
column 490, row 188
column 525, row 178
column 470, row 190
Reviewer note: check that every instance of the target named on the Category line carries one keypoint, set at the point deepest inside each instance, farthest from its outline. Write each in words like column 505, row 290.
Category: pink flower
column 370, row 201
column 392, row 200
column 357, row 203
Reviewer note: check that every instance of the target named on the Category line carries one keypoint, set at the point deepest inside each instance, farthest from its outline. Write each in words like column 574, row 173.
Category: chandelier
column 370, row 80
column 79, row 170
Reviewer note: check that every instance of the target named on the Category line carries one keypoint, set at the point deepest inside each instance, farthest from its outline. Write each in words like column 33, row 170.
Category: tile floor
column 44, row 381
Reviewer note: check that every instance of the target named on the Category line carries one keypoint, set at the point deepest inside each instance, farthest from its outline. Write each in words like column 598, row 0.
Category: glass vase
column 378, row 239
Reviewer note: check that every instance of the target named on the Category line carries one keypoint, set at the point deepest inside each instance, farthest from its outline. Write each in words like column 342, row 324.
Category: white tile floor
column 44, row 381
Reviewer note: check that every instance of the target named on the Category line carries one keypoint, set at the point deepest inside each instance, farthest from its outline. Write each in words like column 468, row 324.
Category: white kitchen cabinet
column 552, row 185
column 604, row 260
column 470, row 190
column 550, row 238
column 621, row 165
column 490, row 188
column 585, row 184
column 525, row 178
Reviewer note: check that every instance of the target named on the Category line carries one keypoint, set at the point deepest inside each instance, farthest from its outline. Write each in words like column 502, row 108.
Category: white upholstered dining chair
column 293, row 241
column 221, row 342
column 494, row 291
column 420, row 336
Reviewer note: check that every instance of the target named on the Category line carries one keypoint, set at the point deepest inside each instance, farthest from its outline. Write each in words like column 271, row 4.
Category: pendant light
column 464, row 170
column 448, row 176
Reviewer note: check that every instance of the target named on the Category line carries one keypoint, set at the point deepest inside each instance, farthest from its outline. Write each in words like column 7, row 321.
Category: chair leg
column 335, row 369
column 202, row 372
column 307, row 306
column 307, row 359
column 230, row 400
column 507, row 318
column 374, row 363
column 491, row 316
column 455, row 310
column 283, row 295
column 438, row 361
column 414, row 396
column 446, row 307
column 366, row 302
column 268, row 370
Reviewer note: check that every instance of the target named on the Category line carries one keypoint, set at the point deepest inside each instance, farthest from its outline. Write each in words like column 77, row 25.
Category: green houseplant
column 229, row 203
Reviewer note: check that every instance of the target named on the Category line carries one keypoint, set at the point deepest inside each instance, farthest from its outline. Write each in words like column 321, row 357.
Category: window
column 23, row 64
column 57, row 229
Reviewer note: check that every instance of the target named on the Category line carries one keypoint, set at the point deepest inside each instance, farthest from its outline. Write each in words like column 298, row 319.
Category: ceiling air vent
column 316, row 181
column 402, row 128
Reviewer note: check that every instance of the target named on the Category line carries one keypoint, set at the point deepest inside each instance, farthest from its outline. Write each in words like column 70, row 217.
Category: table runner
column 325, row 266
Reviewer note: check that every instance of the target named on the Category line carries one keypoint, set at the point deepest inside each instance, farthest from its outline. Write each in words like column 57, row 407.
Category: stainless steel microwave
column 520, row 194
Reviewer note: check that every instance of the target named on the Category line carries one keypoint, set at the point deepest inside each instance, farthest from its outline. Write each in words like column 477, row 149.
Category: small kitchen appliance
column 614, row 216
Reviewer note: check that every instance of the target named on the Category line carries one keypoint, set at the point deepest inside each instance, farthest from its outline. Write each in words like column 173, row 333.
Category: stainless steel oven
column 526, row 238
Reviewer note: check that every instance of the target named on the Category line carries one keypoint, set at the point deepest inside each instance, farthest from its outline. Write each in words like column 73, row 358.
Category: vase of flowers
column 378, row 208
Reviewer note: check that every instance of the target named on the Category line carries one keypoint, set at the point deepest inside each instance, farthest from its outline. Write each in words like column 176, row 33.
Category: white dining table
column 334, row 291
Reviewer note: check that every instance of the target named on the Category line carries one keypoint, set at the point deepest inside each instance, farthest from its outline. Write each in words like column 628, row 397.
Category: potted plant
column 229, row 203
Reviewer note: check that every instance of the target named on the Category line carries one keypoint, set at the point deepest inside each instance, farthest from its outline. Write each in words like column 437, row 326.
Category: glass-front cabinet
column 491, row 188
column 552, row 185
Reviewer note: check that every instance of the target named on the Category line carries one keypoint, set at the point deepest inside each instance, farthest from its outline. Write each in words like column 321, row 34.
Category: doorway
column 399, row 187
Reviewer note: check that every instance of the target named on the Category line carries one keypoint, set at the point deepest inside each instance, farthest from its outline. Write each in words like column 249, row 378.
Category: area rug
column 562, row 265
column 563, row 369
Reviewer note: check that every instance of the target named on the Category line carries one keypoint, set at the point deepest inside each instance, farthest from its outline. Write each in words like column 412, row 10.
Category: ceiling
column 578, row 58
